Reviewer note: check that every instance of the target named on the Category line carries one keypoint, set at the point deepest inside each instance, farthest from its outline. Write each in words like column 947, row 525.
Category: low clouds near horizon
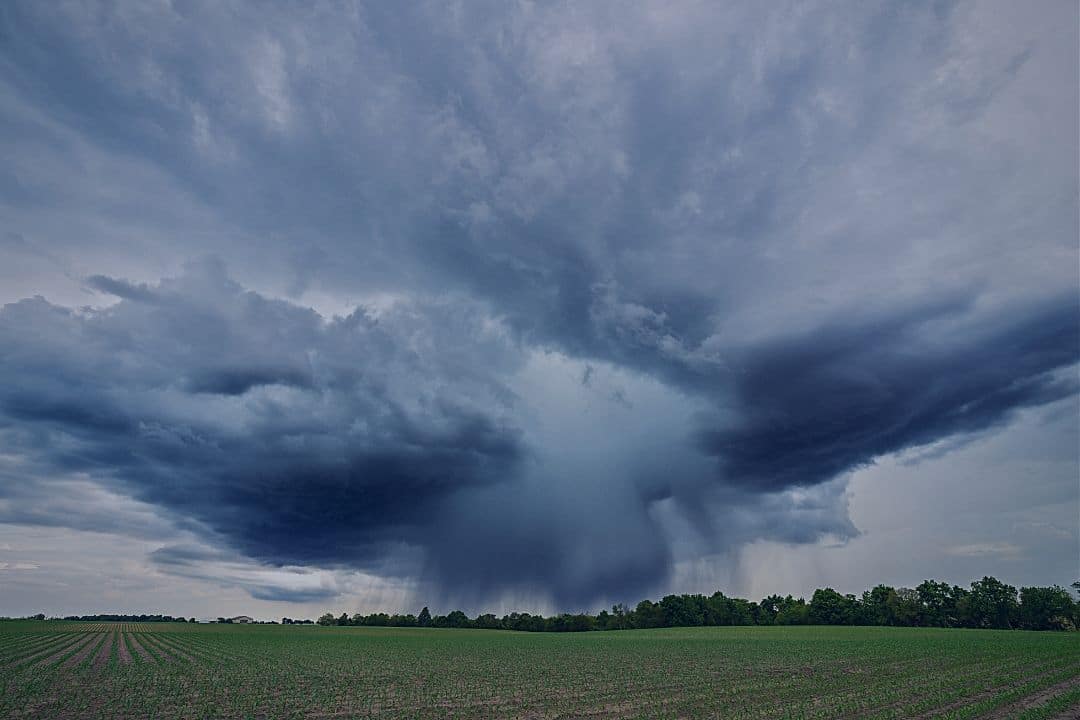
column 535, row 304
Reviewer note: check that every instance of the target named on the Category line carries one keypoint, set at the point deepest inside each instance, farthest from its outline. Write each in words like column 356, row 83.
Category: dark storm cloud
column 331, row 460
column 404, row 433
column 811, row 407
column 237, row 381
column 549, row 157
column 275, row 593
column 801, row 239
column 335, row 442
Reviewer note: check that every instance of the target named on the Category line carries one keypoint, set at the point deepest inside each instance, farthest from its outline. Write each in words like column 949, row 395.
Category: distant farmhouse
column 242, row 619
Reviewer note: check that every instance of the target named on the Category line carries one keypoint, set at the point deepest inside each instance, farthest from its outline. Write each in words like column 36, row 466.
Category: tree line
column 989, row 603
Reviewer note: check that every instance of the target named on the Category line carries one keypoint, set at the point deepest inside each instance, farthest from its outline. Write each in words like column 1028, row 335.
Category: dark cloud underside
column 519, row 300
column 812, row 407
column 333, row 442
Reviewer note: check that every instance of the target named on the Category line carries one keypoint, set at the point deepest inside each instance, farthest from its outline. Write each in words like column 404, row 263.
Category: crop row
column 383, row 673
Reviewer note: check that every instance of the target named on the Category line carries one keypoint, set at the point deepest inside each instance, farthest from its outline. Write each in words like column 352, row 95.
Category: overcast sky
column 533, row 306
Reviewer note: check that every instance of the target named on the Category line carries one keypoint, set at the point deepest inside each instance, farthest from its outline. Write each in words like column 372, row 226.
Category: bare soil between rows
column 102, row 658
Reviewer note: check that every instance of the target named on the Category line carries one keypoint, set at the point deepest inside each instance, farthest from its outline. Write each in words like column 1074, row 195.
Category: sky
column 533, row 306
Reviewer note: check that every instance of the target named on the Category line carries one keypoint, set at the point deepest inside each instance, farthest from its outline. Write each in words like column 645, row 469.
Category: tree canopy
column 989, row 603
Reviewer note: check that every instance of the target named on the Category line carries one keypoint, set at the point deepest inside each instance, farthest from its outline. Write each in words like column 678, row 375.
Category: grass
column 271, row 672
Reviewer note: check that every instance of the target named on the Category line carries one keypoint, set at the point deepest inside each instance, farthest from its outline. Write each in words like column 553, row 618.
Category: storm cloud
column 396, row 442
column 530, row 303
column 301, row 440
column 814, row 406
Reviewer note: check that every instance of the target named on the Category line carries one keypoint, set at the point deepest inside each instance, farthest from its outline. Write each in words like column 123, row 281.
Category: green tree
column 993, row 604
column 620, row 616
column 488, row 622
column 769, row 608
column 719, row 610
column 793, row 612
column 424, row 618
column 879, row 606
column 648, row 614
column 937, row 604
column 741, row 611
column 906, row 608
column 683, row 610
column 828, row 607
column 1046, row 608
column 327, row 619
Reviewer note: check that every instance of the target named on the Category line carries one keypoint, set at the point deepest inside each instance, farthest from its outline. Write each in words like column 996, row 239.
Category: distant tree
column 648, row 614
column 568, row 622
column 768, row 609
column 719, row 610
column 906, row 607
column 793, row 612
column 582, row 622
column 620, row 616
column 989, row 604
column 993, row 604
column 39, row 616
column 524, row 622
column 741, row 611
column 828, row 607
column 1046, row 608
column 879, row 606
column 534, row 623
column 683, row 610
column 488, row 622
column 937, row 604
column 964, row 615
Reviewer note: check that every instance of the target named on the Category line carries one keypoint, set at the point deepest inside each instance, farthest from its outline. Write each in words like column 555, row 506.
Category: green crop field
column 129, row 670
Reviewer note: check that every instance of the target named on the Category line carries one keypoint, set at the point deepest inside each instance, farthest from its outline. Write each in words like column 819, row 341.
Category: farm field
column 131, row 670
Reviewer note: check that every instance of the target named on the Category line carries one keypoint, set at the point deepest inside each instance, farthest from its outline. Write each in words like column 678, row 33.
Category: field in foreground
column 125, row 670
